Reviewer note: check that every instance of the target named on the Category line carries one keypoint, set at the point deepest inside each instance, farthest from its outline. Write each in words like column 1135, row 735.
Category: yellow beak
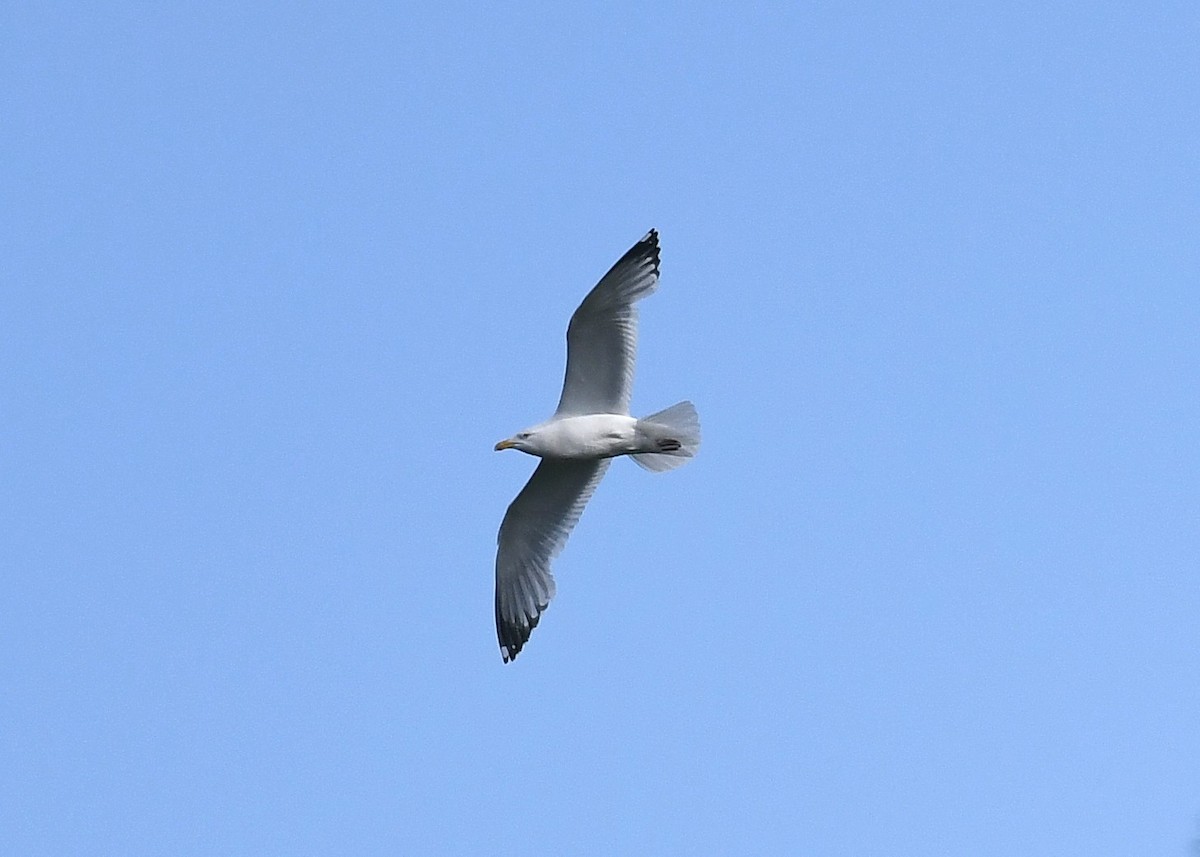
column 505, row 444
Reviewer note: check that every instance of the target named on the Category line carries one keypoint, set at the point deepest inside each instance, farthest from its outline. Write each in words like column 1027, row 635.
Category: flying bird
column 591, row 426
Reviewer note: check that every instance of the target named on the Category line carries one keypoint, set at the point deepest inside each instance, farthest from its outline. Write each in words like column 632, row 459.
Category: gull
column 591, row 426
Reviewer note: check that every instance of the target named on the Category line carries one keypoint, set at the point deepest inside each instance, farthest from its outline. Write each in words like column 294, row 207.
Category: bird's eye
column 523, row 435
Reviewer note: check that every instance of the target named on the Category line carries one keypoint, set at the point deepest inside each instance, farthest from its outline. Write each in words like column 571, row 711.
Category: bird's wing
column 602, row 336
column 534, row 530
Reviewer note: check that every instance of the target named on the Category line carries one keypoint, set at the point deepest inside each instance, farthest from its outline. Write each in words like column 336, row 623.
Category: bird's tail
column 675, row 432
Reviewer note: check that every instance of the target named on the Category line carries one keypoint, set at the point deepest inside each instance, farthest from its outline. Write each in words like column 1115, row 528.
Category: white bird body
column 591, row 426
column 587, row 436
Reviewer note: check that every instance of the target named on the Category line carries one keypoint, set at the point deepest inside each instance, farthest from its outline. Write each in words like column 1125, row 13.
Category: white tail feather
column 677, row 429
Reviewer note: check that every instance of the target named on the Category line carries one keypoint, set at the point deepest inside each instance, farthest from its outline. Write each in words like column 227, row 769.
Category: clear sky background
column 276, row 278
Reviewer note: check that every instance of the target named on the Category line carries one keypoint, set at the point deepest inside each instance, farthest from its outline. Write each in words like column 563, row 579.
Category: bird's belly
column 592, row 436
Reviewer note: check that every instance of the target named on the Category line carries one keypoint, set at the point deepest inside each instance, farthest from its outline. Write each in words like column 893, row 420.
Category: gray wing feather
column 602, row 335
column 534, row 531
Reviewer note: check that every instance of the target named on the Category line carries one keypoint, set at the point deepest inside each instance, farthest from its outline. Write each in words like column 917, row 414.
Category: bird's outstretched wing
column 535, row 528
column 602, row 335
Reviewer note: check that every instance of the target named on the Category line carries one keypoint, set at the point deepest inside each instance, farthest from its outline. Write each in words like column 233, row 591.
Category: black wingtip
column 645, row 250
column 649, row 242
column 513, row 636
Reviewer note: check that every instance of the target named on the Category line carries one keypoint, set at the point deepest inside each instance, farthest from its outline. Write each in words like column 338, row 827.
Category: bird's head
column 522, row 440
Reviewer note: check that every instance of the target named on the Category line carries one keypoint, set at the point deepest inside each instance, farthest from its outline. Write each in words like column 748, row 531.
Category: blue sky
column 276, row 278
